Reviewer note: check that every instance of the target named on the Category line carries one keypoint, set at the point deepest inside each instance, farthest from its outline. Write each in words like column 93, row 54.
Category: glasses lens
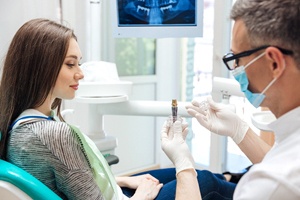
column 231, row 63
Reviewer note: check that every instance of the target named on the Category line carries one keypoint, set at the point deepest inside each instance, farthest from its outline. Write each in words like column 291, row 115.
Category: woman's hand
column 147, row 189
column 133, row 182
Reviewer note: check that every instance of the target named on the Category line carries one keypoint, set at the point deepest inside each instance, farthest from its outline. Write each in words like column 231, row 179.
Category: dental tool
column 174, row 109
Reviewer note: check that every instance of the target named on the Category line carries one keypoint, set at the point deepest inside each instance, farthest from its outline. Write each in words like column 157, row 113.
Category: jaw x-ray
column 156, row 12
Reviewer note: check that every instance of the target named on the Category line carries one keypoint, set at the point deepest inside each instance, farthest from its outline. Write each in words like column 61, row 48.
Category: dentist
column 265, row 60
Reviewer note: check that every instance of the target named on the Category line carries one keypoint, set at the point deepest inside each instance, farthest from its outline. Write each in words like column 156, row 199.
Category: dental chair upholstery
column 17, row 184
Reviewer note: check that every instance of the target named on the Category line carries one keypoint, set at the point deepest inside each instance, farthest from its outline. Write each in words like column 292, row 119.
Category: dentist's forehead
column 239, row 40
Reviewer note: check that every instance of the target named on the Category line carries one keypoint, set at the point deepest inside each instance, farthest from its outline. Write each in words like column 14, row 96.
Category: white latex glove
column 174, row 145
column 219, row 119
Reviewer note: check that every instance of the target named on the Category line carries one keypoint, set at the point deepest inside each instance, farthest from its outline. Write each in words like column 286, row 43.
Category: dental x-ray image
column 157, row 12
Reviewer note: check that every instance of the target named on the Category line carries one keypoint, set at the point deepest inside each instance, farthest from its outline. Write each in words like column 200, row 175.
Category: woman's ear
column 277, row 61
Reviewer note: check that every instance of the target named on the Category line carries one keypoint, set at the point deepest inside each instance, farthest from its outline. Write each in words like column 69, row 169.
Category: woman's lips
column 75, row 87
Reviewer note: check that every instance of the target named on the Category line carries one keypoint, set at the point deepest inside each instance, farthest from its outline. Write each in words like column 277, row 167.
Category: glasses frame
column 231, row 56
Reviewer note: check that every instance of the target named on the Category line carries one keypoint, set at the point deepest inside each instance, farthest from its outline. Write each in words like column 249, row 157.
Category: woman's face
column 70, row 73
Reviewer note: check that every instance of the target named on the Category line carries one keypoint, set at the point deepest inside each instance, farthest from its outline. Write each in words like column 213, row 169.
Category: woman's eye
column 70, row 65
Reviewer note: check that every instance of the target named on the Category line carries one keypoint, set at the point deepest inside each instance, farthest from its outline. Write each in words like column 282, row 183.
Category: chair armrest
column 111, row 159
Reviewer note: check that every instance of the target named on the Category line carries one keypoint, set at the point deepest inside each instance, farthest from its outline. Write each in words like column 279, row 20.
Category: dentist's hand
column 175, row 147
column 219, row 119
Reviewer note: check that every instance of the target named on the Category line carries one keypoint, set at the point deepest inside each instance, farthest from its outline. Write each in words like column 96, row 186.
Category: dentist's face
column 257, row 73
column 70, row 73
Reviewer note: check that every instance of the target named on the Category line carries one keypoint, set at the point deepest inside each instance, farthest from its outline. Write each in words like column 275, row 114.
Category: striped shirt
column 51, row 152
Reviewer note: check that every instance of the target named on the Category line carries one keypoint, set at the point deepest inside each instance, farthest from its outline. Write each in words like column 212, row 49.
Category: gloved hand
column 219, row 119
column 174, row 145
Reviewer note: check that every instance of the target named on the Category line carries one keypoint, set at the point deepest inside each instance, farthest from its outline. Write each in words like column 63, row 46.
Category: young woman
column 41, row 69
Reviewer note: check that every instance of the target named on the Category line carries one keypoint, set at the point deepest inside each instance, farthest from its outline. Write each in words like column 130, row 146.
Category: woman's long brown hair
column 30, row 70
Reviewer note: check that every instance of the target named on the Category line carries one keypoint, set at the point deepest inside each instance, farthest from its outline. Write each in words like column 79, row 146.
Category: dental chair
column 17, row 184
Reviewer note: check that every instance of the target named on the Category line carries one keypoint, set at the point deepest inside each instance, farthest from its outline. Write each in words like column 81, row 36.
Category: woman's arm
column 73, row 175
column 133, row 182
column 146, row 186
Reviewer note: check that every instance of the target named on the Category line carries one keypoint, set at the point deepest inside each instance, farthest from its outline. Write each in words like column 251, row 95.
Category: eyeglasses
column 231, row 60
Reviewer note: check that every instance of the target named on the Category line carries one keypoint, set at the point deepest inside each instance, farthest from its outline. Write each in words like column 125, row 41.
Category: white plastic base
column 11, row 192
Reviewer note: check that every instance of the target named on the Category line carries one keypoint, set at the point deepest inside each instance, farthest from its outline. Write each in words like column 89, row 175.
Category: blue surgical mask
column 240, row 75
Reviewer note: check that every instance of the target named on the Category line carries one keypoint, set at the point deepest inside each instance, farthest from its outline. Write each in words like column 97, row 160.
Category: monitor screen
column 157, row 18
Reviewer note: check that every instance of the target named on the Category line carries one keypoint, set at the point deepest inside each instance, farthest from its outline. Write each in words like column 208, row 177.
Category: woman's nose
column 79, row 75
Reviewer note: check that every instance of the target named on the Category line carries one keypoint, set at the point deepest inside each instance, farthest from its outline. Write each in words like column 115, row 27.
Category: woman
column 40, row 69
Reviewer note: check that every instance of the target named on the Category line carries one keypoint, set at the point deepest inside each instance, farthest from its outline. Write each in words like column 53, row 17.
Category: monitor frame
column 157, row 31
